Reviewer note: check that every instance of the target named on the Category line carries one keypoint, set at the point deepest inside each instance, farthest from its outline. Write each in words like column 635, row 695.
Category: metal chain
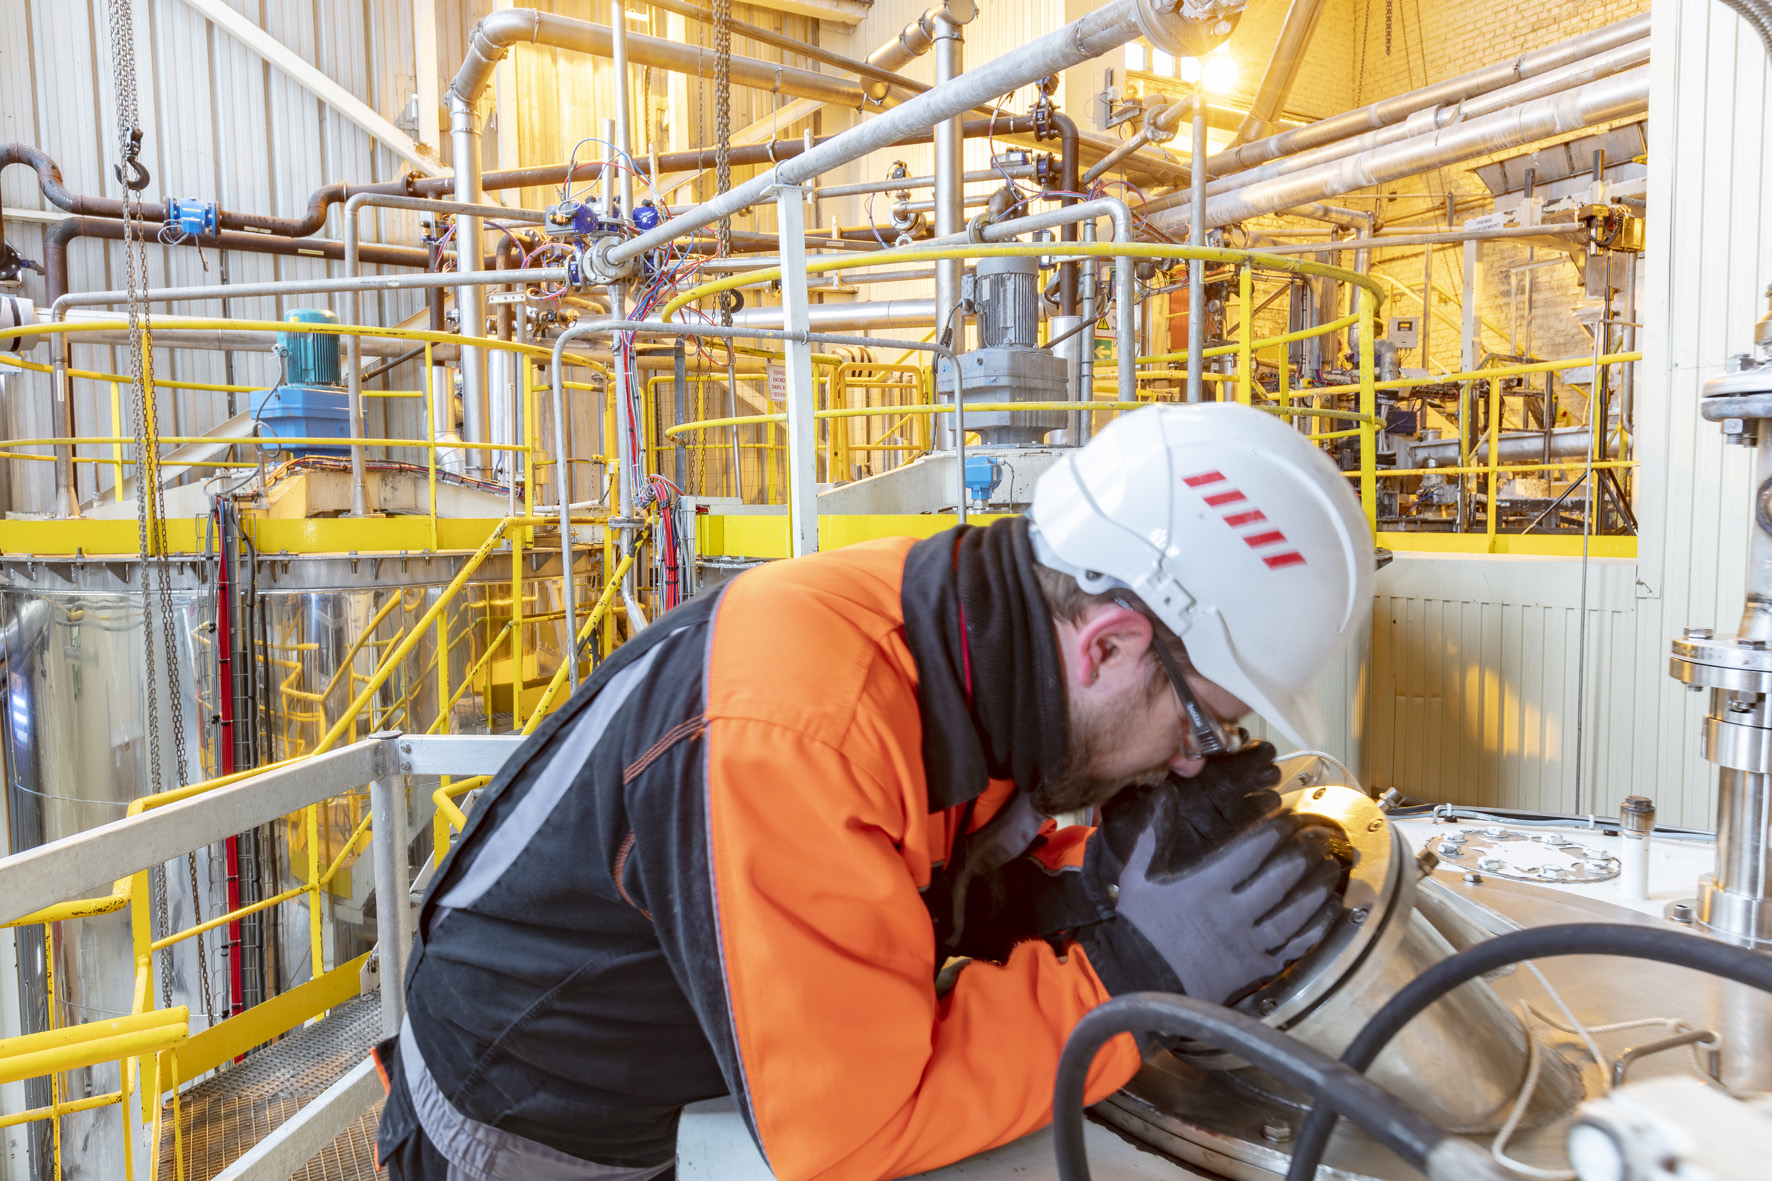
column 121, row 19
column 723, row 129
column 1387, row 27
column 1365, row 38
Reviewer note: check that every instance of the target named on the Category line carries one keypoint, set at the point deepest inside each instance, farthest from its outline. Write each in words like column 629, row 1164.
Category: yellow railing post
column 1245, row 333
column 117, row 447
column 1368, row 406
column 55, row 1078
column 431, row 434
column 1495, row 457
column 316, row 942
column 516, row 624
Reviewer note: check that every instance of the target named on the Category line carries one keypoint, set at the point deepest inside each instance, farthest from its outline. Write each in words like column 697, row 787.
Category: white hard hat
column 1236, row 530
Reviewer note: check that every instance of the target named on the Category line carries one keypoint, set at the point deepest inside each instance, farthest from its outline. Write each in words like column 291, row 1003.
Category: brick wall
column 1441, row 38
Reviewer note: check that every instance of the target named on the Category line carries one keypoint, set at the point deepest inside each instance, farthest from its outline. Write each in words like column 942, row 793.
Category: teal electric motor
column 311, row 401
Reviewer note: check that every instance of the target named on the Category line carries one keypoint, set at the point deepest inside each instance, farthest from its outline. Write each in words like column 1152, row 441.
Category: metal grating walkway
column 222, row 1117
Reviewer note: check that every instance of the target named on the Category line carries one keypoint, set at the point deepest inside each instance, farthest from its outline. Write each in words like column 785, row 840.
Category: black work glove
column 1213, row 922
column 1228, row 795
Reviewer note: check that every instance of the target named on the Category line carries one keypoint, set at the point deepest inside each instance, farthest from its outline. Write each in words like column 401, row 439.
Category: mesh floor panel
column 222, row 1117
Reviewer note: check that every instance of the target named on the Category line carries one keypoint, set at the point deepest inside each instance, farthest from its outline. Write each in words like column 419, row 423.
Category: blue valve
column 983, row 474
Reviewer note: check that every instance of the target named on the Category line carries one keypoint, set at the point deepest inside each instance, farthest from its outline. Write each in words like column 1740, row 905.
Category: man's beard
column 1094, row 732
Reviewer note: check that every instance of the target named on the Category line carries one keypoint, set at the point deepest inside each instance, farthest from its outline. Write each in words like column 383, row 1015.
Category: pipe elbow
column 49, row 174
column 488, row 44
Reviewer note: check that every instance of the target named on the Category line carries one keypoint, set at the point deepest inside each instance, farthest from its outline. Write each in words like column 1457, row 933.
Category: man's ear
column 1109, row 645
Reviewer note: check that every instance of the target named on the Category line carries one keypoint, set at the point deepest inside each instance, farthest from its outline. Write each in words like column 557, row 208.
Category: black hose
column 1664, row 945
column 1394, row 1123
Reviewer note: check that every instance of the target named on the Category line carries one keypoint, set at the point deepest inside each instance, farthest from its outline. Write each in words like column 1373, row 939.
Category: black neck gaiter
column 990, row 686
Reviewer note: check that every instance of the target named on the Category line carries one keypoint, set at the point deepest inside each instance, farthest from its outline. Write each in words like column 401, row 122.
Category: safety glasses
column 1204, row 736
column 1208, row 737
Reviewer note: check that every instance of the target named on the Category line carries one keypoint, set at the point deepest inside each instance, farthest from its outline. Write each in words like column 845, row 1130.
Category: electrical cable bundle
column 1340, row 1088
column 665, row 494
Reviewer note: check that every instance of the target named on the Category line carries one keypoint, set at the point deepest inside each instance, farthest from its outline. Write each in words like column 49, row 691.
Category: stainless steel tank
column 1462, row 1062
column 75, row 741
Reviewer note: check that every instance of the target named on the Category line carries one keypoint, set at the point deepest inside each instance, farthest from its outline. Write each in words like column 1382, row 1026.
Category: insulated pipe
column 1453, row 90
column 1108, row 27
column 470, row 299
column 880, row 78
column 354, row 310
column 1384, row 241
column 1619, row 97
column 950, row 165
column 1604, row 65
column 917, row 182
column 1282, row 68
column 885, row 313
column 1526, row 447
column 918, row 37
column 493, row 37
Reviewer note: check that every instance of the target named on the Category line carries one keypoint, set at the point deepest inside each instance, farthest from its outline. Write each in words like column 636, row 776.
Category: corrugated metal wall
column 219, row 125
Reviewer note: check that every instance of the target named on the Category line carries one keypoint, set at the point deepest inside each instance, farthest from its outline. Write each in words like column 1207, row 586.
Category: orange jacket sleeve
column 851, row 1066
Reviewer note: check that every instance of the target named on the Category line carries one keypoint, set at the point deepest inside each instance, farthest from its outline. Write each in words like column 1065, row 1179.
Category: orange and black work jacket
column 730, row 865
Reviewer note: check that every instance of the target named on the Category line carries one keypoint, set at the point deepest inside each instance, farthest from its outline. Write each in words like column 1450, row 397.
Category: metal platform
column 223, row 1117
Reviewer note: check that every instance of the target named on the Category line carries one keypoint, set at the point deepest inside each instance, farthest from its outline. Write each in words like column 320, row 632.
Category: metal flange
column 1722, row 663
column 1731, row 744
column 1188, row 28
column 594, row 267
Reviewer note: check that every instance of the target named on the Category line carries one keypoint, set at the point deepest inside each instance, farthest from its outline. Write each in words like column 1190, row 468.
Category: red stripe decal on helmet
column 1279, row 560
column 1268, row 538
column 1203, row 478
column 1225, row 498
column 1238, row 520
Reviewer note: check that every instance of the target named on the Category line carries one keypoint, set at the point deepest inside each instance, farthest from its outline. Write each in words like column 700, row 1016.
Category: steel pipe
column 1282, row 68
column 950, row 166
column 1572, row 442
column 470, row 299
column 1108, row 27
column 914, row 313
column 1196, row 268
column 917, row 182
column 1453, row 90
column 498, row 31
column 1598, row 102
column 1383, row 241
column 306, row 287
column 1592, row 69
column 63, row 233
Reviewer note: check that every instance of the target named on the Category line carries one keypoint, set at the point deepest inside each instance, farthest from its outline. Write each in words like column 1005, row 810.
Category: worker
column 793, row 842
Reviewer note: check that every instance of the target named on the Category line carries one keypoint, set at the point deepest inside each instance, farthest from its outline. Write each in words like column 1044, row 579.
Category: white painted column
column 790, row 224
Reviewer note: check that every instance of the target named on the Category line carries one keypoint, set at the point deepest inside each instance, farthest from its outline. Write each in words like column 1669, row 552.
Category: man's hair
column 1070, row 602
